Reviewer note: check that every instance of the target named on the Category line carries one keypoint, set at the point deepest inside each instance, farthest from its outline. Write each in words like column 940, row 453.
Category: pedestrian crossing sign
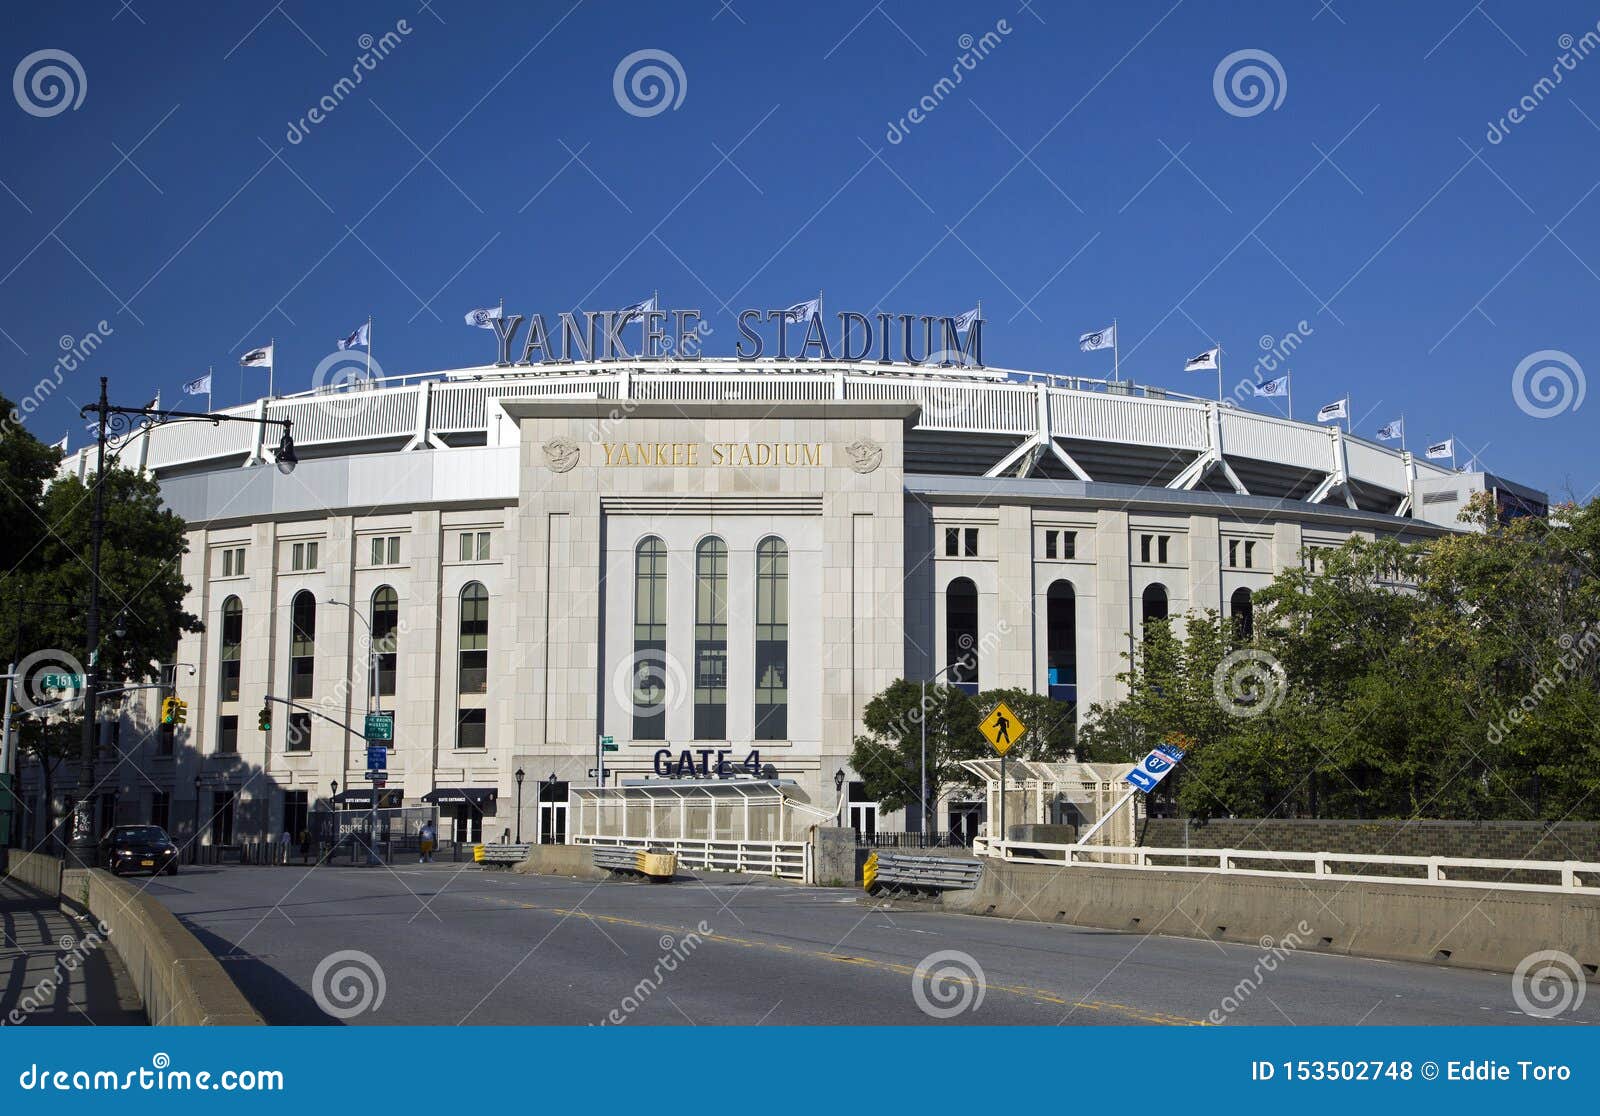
column 1001, row 728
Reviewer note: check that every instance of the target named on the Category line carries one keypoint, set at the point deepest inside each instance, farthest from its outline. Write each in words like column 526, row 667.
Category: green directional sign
column 608, row 744
column 59, row 682
column 380, row 726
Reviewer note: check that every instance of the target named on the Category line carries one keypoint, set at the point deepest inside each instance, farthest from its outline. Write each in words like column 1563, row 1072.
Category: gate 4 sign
column 1154, row 767
column 1001, row 728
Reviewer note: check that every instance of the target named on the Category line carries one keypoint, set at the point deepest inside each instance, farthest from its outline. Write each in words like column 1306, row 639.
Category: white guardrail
column 1563, row 875
column 790, row 860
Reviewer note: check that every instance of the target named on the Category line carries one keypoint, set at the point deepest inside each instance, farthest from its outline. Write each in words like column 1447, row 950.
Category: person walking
column 426, row 836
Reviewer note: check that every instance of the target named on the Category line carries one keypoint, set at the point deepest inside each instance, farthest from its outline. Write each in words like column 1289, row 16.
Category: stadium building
column 713, row 562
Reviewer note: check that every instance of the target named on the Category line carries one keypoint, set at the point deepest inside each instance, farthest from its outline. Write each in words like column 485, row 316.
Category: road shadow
column 281, row 1002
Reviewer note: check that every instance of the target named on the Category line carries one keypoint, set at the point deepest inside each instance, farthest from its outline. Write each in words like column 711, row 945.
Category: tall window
column 1242, row 606
column 1154, row 602
column 227, row 735
column 1061, row 641
column 302, row 643
column 232, row 637
column 385, row 634
column 649, row 639
column 961, row 633
column 473, row 669
column 711, row 640
column 297, row 738
column 772, row 640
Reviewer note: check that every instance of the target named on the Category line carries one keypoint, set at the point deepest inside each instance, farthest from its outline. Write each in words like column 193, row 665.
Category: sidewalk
column 56, row 971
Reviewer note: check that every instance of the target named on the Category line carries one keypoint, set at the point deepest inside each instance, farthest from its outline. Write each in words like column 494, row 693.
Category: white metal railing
column 1566, row 875
column 790, row 860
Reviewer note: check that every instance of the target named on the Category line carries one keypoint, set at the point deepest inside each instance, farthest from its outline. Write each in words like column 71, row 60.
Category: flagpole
column 1402, row 432
column 211, row 370
column 1219, row 373
column 1347, row 412
column 1289, row 384
column 1116, row 354
column 369, row 350
column 272, row 348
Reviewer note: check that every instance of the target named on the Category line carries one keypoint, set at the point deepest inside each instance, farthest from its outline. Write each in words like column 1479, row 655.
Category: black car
column 138, row 848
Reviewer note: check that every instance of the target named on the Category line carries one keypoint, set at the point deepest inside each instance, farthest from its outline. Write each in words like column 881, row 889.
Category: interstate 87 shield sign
column 1154, row 767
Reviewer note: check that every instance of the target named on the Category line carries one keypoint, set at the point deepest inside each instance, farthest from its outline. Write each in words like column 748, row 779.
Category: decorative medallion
column 560, row 454
column 865, row 455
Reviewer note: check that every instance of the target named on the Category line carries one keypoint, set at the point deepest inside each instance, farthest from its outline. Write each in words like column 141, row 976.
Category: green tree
column 888, row 755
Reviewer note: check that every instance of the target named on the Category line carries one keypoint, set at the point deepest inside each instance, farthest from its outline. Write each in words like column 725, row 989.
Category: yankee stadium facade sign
column 782, row 333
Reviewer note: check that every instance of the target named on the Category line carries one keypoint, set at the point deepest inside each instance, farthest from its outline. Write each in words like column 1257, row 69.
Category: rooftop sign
column 786, row 333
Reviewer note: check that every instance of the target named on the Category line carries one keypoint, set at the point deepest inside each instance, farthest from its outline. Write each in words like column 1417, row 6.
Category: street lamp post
column 520, row 775
column 922, row 708
column 372, row 698
column 115, row 423
column 838, row 790
column 194, row 838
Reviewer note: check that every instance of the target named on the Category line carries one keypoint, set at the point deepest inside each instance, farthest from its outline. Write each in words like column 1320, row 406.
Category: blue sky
column 1083, row 169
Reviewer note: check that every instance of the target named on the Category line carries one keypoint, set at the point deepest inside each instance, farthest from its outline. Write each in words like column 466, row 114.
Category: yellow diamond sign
column 1001, row 728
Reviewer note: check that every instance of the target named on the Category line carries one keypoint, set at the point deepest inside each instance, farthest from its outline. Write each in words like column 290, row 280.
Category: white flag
column 61, row 446
column 1205, row 362
column 200, row 385
column 1098, row 339
column 964, row 322
column 362, row 336
column 1339, row 409
column 1270, row 388
column 483, row 318
column 258, row 358
column 1445, row 449
column 803, row 311
column 648, row 306
column 1392, row 431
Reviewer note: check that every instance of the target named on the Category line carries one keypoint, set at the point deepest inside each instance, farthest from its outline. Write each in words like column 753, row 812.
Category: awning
column 457, row 796
column 388, row 798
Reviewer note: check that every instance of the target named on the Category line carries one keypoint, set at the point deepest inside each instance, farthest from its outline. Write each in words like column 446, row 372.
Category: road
column 452, row 944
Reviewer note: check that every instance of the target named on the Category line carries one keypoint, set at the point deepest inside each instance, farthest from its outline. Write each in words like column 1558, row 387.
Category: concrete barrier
column 1468, row 927
column 178, row 981
column 562, row 860
column 38, row 871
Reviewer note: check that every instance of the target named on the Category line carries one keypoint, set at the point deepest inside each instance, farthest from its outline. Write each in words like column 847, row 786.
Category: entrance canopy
column 457, row 796
column 361, row 799
column 695, row 810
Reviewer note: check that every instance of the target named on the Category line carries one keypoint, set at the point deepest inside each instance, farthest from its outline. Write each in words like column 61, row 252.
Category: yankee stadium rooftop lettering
column 737, row 455
column 604, row 335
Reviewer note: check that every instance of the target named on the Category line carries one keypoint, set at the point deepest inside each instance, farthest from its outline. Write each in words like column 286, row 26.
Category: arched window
column 385, row 636
column 302, row 643
column 232, row 638
column 472, row 671
column 1242, row 607
column 772, row 639
column 711, row 640
column 1061, row 641
column 650, row 640
column 961, row 633
column 1155, row 602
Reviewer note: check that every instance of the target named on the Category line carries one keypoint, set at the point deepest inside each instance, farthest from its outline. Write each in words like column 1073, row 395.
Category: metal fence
column 907, row 840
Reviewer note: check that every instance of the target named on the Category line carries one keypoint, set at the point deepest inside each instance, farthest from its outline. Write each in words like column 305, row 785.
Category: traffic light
column 169, row 710
column 180, row 711
column 264, row 719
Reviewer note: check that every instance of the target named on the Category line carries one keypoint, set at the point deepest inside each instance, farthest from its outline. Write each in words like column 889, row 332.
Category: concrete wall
column 1468, row 927
column 562, row 860
column 178, row 981
column 1495, row 840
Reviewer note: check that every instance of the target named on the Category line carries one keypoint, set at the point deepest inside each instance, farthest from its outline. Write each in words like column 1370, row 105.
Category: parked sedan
column 138, row 848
